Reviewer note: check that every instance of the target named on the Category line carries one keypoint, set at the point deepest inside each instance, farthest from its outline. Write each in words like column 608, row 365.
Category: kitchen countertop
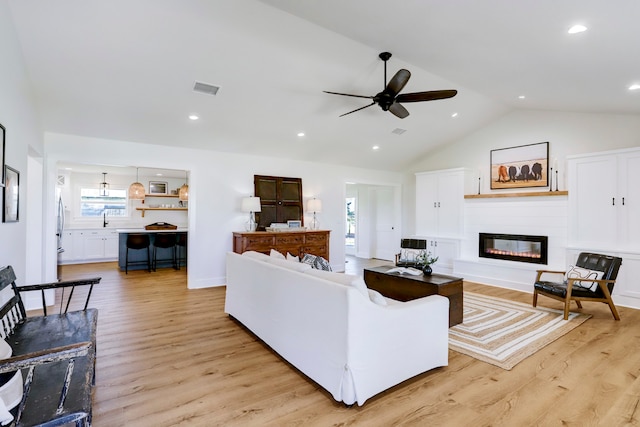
column 142, row 230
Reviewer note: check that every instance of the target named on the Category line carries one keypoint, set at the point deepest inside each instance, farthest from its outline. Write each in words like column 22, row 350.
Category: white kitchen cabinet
column 89, row 245
column 440, row 202
column 100, row 245
column 604, row 200
column 68, row 244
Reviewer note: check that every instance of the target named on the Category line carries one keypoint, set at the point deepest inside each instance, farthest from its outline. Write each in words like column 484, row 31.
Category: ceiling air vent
column 206, row 88
column 398, row 131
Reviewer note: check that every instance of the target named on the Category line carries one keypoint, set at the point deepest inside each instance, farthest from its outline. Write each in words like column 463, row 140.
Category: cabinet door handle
column 438, row 204
column 613, row 201
column 623, row 201
column 435, row 204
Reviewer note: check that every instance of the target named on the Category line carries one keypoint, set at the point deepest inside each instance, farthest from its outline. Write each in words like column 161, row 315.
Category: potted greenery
column 425, row 260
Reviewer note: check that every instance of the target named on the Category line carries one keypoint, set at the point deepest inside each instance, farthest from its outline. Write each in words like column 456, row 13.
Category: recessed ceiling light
column 521, row 97
column 634, row 86
column 375, row 147
column 193, row 117
column 158, row 174
column 300, row 134
column 577, row 29
column 454, row 115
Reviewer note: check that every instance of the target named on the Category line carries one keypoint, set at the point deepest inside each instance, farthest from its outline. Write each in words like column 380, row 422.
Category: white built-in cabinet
column 440, row 202
column 89, row 245
column 440, row 213
column 604, row 211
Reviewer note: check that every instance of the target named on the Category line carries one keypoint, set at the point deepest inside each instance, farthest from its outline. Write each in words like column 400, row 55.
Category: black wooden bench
column 56, row 353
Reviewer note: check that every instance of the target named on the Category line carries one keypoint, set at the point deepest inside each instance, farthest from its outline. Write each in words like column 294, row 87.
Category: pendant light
column 183, row 193
column 136, row 190
column 104, row 185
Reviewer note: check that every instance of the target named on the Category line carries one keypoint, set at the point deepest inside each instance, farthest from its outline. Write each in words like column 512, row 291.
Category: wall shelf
column 143, row 210
column 523, row 194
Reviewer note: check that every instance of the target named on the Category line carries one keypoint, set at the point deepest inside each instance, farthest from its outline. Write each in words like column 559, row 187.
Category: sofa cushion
column 291, row 265
column 256, row 255
column 292, row 257
column 276, row 254
column 584, row 273
column 342, row 278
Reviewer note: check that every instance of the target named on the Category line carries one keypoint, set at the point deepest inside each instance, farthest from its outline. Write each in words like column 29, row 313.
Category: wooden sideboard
column 296, row 243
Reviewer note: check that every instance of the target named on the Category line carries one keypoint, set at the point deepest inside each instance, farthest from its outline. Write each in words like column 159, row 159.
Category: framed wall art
column 11, row 195
column 520, row 167
column 157, row 187
column 2, row 141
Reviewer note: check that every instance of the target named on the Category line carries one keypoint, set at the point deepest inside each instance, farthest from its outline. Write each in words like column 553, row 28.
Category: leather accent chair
column 577, row 289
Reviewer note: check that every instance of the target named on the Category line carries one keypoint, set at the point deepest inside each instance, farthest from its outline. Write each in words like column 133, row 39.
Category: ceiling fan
column 390, row 100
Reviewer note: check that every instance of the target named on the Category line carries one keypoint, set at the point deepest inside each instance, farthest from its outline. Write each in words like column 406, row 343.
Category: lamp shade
column 136, row 191
column 314, row 205
column 251, row 204
column 183, row 193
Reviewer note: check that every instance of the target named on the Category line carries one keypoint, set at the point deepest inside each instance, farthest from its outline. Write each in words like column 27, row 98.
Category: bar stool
column 181, row 248
column 164, row 241
column 137, row 242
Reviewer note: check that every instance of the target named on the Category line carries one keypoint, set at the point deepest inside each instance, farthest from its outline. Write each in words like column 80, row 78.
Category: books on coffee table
column 406, row 270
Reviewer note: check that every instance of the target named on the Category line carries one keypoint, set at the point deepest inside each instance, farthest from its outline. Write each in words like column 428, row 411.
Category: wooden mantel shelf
column 527, row 194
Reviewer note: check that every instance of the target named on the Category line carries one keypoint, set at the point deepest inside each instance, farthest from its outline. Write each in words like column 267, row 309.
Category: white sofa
column 326, row 325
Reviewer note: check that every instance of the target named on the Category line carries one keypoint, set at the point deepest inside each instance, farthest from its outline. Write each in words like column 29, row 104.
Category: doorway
column 372, row 216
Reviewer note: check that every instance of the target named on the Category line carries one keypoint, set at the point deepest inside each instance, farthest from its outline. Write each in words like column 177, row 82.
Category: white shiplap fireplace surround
column 543, row 215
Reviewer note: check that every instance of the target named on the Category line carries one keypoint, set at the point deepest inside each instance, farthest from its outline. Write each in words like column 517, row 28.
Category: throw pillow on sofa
column 256, row 255
column 376, row 297
column 295, row 266
column 292, row 257
column 276, row 254
column 316, row 262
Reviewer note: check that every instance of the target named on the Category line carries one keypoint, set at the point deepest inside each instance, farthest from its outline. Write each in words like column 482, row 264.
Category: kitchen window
column 92, row 204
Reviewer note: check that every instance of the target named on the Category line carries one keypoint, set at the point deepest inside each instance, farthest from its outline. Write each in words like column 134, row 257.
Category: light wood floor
column 169, row 356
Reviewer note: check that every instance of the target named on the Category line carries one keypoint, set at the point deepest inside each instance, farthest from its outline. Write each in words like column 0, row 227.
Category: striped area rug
column 504, row 333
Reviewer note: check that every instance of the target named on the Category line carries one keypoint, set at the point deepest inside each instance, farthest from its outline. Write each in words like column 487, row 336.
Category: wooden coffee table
column 405, row 287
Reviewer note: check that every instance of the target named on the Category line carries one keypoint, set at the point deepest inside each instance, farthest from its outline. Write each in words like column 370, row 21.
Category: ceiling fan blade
column 397, row 82
column 348, row 94
column 398, row 110
column 358, row 109
column 431, row 95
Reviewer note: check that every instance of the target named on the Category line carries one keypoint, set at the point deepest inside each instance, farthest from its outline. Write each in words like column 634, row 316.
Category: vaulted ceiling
column 125, row 69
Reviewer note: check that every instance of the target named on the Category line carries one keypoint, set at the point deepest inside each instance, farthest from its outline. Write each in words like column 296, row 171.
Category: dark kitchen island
column 165, row 257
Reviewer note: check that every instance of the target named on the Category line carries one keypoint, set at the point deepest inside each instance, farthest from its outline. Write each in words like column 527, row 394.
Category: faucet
column 104, row 220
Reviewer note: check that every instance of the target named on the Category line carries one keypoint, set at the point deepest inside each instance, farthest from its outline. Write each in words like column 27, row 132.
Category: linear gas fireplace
column 513, row 247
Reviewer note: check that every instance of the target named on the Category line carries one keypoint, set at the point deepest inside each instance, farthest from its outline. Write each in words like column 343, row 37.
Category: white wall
column 23, row 136
column 217, row 182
